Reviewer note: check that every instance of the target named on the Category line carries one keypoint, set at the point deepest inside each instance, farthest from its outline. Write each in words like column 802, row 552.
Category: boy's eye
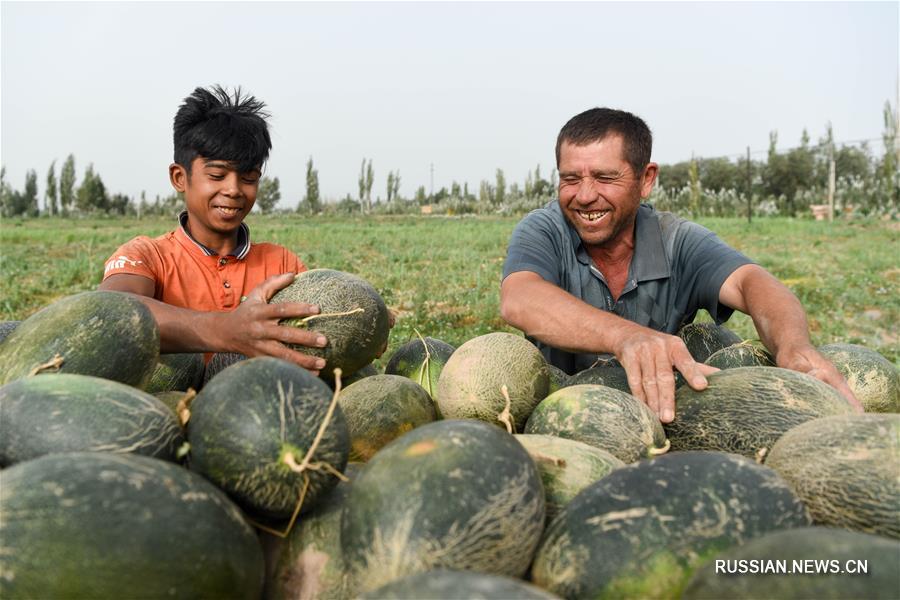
column 250, row 180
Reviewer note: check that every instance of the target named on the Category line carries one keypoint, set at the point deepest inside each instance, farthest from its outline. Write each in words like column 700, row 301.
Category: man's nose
column 586, row 192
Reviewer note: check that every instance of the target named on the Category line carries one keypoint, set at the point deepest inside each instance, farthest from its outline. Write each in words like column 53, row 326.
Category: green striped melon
column 105, row 334
column 177, row 372
column 640, row 531
column 100, row 525
column 746, row 409
column 566, row 467
column 246, row 422
column 71, row 413
column 601, row 417
column 309, row 563
column 409, row 360
column 470, row 386
column 702, row 339
column 445, row 584
column 381, row 408
column 354, row 340
column 6, row 328
column 846, row 469
column 802, row 563
column 875, row 381
column 456, row 494
column 744, row 354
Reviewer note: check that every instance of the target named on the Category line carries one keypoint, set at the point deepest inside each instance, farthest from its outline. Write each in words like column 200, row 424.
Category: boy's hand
column 252, row 329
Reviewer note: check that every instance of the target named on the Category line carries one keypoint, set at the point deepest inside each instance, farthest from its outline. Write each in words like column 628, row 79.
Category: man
column 599, row 272
column 193, row 278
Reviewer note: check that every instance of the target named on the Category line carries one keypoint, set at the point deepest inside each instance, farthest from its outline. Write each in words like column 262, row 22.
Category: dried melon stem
column 306, row 463
column 183, row 408
column 659, row 451
column 426, row 366
column 54, row 363
column 306, row 320
column 505, row 416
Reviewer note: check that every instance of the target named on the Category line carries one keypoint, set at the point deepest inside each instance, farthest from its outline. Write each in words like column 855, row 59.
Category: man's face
column 218, row 198
column 599, row 193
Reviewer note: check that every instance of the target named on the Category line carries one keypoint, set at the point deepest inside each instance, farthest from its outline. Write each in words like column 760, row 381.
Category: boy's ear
column 178, row 177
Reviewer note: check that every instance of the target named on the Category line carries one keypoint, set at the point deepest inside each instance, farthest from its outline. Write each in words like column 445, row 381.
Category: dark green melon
column 470, row 386
column 744, row 354
column 610, row 374
column 745, row 409
column 846, row 469
column 444, row 584
column 803, row 563
column 354, row 340
column 99, row 525
column 248, row 418
column 457, row 494
column 703, row 339
column 875, row 381
column 219, row 362
column 601, row 417
column 309, row 563
column 558, row 379
column 640, row 531
column 381, row 408
column 6, row 328
column 409, row 360
column 105, row 334
column 566, row 467
column 71, row 413
column 177, row 372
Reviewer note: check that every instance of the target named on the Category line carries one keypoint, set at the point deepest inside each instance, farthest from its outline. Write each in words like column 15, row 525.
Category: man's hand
column 648, row 357
column 807, row 359
column 252, row 328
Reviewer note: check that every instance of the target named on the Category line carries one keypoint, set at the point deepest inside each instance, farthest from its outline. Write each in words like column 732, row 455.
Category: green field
column 441, row 275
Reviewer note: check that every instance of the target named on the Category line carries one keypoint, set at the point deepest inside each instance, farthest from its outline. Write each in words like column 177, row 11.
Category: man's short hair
column 595, row 124
column 217, row 125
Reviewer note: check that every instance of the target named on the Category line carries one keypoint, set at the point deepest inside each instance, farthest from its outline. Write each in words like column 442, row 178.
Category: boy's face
column 217, row 196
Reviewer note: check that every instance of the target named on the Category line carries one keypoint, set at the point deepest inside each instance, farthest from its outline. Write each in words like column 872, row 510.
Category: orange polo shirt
column 189, row 275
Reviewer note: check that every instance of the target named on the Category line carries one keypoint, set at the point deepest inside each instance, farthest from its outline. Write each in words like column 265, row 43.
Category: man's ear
column 651, row 171
column 178, row 177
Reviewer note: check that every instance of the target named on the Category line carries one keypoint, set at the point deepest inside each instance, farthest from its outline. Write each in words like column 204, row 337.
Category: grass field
column 442, row 275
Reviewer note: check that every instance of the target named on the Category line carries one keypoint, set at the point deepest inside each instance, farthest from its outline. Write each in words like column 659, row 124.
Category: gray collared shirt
column 678, row 268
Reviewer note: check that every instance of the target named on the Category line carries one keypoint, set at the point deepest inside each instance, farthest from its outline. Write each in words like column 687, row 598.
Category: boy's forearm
column 185, row 330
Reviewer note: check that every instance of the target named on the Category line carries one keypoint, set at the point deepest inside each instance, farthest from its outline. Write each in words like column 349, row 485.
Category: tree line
column 783, row 183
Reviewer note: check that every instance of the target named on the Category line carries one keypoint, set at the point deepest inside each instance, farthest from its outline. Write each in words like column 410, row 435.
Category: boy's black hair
column 595, row 124
column 215, row 125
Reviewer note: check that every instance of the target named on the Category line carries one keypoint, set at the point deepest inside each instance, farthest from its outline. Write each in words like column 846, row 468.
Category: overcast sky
column 468, row 87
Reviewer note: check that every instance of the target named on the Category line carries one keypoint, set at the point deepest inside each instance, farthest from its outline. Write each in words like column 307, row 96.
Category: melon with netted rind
column 875, row 381
column 846, row 469
column 602, row 417
column 640, row 531
column 744, row 354
column 455, row 494
column 470, row 386
column 444, row 584
column 746, row 409
column 353, row 317
column 566, row 467
column 381, row 408
column 702, row 339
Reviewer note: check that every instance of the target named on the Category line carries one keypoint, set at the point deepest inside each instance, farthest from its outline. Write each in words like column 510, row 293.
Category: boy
column 192, row 279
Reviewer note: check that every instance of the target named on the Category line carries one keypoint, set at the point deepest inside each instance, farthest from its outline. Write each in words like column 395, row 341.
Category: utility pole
column 749, row 188
column 431, row 194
